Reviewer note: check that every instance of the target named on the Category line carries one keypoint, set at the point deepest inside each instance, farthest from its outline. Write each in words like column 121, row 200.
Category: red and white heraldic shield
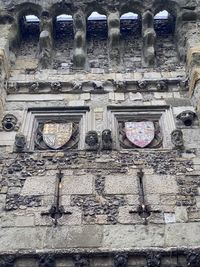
column 140, row 133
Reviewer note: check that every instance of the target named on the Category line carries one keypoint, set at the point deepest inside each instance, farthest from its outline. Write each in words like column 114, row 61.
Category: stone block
column 87, row 236
column 22, row 238
column 121, row 184
column 85, row 96
column 24, row 221
column 125, row 217
column 168, row 200
column 39, row 186
column 130, row 236
column 181, row 214
column 76, row 103
column 111, row 96
column 182, row 234
column 169, row 217
column 135, row 96
column 75, row 218
column 78, row 185
column 119, row 97
column 160, row 184
column 26, row 262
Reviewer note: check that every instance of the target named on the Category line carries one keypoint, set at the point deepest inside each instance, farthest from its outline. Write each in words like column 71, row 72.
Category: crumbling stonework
column 78, row 186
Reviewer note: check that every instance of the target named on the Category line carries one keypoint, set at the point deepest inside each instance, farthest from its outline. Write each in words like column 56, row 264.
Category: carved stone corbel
column 92, row 141
column 177, row 139
column 20, row 142
column 9, row 123
column 107, row 141
column 187, row 117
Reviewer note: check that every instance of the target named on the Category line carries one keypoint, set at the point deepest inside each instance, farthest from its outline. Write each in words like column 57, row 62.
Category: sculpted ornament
column 107, row 140
column 20, row 142
column 57, row 136
column 9, row 123
column 187, row 117
column 92, row 141
column 177, row 139
column 121, row 260
column 56, row 87
column 34, row 88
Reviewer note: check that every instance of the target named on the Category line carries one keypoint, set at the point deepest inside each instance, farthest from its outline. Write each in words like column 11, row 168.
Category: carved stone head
column 187, row 117
column 91, row 138
column 20, row 142
column 177, row 138
column 9, row 122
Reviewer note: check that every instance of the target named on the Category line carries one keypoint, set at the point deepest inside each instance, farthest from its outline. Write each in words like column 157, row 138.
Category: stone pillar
column 45, row 42
column 114, row 37
column 193, row 64
column 79, row 56
column 149, row 38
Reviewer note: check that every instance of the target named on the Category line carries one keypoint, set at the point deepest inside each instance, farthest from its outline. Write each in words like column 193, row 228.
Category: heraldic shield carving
column 57, row 136
column 140, row 134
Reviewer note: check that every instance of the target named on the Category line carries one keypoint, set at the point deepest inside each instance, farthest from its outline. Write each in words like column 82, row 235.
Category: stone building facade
column 99, row 134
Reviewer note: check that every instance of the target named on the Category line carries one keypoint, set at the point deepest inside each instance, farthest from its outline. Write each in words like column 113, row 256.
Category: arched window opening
column 30, row 27
column 97, row 36
column 63, row 27
column 63, row 37
column 164, row 23
column 131, row 27
column 97, row 26
column 166, row 52
column 130, row 24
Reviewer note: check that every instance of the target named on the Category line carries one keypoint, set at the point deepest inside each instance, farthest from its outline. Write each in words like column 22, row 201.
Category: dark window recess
column 63, row 28
column 164, row 26
column 30, row 27
column 130, row 27
column 97, row 28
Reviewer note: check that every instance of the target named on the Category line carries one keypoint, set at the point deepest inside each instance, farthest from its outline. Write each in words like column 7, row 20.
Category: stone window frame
column 34, row 116
column 163, row 114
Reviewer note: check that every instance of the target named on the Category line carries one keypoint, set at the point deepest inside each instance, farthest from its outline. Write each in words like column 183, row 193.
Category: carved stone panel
column 139, row 137
column 57, row 136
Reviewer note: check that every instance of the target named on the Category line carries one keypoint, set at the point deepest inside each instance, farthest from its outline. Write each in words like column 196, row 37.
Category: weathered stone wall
column 111, row 203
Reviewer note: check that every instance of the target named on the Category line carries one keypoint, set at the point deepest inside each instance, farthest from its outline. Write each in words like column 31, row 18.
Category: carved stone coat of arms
column 56, row 135
column 140, row 133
